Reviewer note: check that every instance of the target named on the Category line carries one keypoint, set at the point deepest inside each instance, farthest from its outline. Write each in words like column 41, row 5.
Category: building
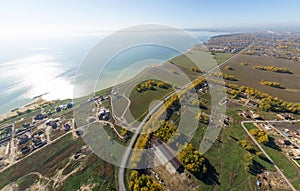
column 286, row 134
column 40, row 116
column 104, row 114
column 69, row 105
column 22, row 139
column 267, row 127
column 256, row 117
column 67, row 127
column 253, row 103
column 165, row 156
column 284, row 116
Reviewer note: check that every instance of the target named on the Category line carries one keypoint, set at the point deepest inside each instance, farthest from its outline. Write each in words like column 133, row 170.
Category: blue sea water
column 33, row 67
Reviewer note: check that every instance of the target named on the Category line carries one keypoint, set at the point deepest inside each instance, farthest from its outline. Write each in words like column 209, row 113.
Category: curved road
column 153, row 110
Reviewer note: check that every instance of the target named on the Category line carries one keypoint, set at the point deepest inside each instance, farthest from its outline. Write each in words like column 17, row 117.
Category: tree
column 142, row 182
column 260, row 135
column 192, row 160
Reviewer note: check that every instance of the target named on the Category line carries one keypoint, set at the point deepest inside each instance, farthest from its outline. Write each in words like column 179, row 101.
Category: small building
column 165, row 156
column 25, row 150
column 67, row 127
column 26, row 125
column 284, row 116
column 79, row 133
column 22, row 139
column 256, row 116
column 104, row 114
column 52, row 123
column 286, row 134
column 253, row 103
column 40, row 116
column 58, row 109
column 69, row 105
column 267, row 127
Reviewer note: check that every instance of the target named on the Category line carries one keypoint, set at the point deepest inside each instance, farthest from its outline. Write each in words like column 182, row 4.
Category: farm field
column 248, row 76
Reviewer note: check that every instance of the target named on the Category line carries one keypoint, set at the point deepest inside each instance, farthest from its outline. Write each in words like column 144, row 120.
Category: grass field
column 248, row 76
column 140, row 101
column 27, row 181
column 94, row 173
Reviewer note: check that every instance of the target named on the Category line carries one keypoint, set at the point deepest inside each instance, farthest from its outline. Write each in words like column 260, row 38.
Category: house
column 67, row 127
column 256, row 116
column 57, row 109
column 286, row 134
column 165, row 156
column 69, row 105
column 25, row 150
column 37, row 142
column 245, row 114
column 104, row 114
column 284, row 116
column 26, row 125
column 267, row 127
column 52, row 123
column 79, row 133
column 22, row 139
column 253, row 103
column 40, row 116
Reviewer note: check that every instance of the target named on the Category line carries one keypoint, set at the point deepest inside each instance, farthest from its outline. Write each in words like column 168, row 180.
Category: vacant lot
column 248, row 76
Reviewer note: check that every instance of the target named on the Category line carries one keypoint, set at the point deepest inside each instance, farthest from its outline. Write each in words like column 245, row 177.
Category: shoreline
column 32, row 105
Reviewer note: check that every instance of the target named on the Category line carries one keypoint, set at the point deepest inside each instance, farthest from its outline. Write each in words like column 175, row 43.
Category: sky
column 35, row 17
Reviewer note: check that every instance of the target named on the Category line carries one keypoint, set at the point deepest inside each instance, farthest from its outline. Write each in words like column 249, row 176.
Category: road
column 153, row 110
column 265, row 153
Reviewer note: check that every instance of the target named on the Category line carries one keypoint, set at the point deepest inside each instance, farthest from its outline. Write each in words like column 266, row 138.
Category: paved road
column 153, row 110
column 265, row 153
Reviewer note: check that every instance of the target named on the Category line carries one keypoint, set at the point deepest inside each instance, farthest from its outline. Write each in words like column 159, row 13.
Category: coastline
column 31, row 105
column 36, row 102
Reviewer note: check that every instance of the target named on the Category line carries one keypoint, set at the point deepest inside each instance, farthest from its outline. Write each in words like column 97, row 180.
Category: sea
column 48, row 66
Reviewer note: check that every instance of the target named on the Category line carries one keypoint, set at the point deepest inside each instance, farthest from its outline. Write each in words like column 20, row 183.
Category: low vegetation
column 193, row 69
column 225, row 76
column 267, row 102
column 228, row 68
column 244, row 63
column 269, row 83
column 151, row 85
column 272, row 69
